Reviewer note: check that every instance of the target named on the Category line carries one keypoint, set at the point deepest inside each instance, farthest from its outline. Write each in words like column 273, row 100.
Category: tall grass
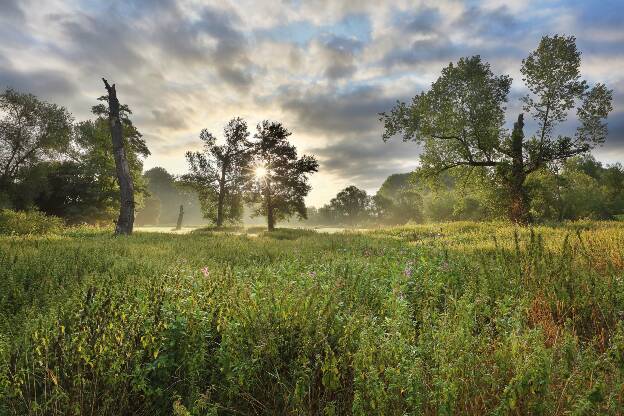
column 458, row 318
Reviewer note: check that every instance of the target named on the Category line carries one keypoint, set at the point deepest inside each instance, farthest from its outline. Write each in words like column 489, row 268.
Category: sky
column 324, row 68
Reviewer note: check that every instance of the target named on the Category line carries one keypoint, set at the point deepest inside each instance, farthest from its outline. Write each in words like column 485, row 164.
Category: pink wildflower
column 205, row 271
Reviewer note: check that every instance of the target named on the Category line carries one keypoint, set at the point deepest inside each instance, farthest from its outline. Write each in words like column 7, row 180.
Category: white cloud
column 325, row 70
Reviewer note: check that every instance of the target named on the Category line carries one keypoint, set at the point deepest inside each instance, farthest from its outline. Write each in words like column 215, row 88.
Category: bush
column 31, row 222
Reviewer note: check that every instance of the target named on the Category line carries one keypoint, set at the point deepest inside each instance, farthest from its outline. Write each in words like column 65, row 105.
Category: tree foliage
column 351, row 205
column 398, row 201
column 280, row 192
column 31, row 131
column 76, row 179
column 220, row 173
column 460, row 119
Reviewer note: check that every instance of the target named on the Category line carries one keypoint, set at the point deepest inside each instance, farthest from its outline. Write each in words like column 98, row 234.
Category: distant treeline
column 52, row 164
column 581, row 188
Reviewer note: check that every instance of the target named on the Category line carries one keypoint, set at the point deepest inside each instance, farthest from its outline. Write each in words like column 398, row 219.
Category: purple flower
column 408, row 271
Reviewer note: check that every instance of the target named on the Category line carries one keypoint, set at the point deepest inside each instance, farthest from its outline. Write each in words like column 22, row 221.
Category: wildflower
column 205, row 271
column 408, row 271
column 312, row 274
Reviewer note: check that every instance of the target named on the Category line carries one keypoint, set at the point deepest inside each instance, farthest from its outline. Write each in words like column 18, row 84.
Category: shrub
column 31, row 222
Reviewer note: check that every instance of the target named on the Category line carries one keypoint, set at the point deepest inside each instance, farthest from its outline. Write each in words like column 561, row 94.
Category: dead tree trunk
column 125, row 221
column 519, row 207
column 180, row 217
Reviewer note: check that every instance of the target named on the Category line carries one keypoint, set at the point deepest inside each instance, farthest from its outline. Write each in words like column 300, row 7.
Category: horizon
column 325, row 69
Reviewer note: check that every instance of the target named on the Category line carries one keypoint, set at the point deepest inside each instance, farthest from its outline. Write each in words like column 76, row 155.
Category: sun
column 260, row 172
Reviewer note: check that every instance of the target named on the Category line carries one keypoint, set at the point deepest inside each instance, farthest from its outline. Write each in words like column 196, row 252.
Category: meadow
column 437, row 319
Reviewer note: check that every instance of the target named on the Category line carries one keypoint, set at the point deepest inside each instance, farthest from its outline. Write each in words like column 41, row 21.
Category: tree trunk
column 221, row 198
column 180, row 217
column 270, row 215
column 270, row 218
column 220, row 210
column 519, row 206
column 125, row 221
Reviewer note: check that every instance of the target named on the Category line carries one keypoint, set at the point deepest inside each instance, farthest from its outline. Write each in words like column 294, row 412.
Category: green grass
column 458, row 318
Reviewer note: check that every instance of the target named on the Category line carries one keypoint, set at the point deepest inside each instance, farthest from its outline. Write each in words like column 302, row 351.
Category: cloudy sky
column 325, row 68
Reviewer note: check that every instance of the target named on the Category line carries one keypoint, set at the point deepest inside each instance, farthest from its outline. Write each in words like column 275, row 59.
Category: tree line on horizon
column 581, row 188
column 471, row 166
column 51, row 164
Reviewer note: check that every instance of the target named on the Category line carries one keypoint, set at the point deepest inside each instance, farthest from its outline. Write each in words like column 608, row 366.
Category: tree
column 397, row 201
column 82, row 186
column 30, row 131
column 281, row 178
column 125, row 221
column 351, row 204
column 460, row 119
column 180, row 218
column 220, row 173
column 150, row 213
column 580, row 188
column 162, row 185
column 92, row 158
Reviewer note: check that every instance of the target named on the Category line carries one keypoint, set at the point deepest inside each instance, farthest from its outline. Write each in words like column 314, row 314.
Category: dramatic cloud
column 331, row 112
column 11, row 10
column 326, row 68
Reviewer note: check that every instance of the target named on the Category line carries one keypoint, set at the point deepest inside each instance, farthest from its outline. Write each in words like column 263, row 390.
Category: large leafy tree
column 351, row 204
column 281, row 183
column 83, row 186
column 220, row 172
column 460, row 120
column 31, row 130
column 398, row 201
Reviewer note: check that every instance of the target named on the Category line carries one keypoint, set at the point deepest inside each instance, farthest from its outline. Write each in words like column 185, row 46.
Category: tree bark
column 270, row 215
column 125, row 222
column 180, row 217
column 221, row 197
column 519, row 206
column 270, row 218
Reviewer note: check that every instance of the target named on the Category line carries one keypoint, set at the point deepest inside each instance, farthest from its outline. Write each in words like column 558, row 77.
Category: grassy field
column 460, row 318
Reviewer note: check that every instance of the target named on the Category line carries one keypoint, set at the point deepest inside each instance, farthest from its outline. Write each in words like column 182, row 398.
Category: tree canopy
column 280, row 189
column 460, row 119
column 220, row 173
column 351, row 204
column 31, row 131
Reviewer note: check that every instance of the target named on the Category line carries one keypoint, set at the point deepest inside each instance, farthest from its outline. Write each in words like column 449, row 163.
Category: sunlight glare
column 260, row 172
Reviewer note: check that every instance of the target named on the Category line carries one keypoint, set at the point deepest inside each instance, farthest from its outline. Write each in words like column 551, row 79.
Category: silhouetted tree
column 281, row 184
column 460, row 119
column 220, row 173
column 30, row 131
